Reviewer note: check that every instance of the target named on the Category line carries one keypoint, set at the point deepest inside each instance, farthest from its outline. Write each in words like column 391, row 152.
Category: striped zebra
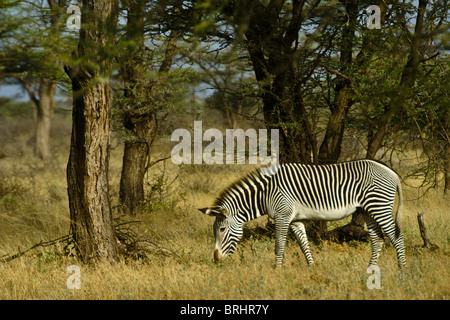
column 296, row 192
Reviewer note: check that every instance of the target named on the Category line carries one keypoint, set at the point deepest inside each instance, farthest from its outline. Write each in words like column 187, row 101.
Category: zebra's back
column 334, row 191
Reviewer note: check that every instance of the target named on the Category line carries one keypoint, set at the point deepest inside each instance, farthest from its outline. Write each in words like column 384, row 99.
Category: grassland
column 34, row 207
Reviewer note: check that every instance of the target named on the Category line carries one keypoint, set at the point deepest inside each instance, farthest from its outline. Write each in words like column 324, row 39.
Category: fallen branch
column 9, row 257
column 423, row 233
column 135, row 246
column 131, row 244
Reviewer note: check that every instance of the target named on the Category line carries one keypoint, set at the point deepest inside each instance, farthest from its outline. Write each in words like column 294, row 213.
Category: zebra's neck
column 244, row 199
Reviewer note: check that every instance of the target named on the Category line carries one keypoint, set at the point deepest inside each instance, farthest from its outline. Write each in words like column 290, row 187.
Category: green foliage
column 160, row 191
column 33, row 41
column 158, row 94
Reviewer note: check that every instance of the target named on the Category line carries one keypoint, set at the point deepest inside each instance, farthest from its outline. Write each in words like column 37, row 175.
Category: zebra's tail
column 398, row 215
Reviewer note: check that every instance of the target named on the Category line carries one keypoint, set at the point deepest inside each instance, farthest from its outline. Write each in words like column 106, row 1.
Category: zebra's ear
column 206, row 211
column 215, row 211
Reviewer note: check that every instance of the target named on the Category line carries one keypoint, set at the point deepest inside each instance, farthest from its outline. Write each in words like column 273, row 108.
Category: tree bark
column 87, row 168
column 87, row 175
column 45, row 106
column 447, row 168
column 134, row 164
column 423, row 233
column 132, row 177
column 446, row 123
column 330, row 149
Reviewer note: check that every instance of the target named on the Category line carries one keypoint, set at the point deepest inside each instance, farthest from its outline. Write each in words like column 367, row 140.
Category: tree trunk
column 87, row 175
column 139, row 119
column 44, row 108
column 294, row 130
column 447, row 167
column 330, row 148
column 423, row 233
column 132, row 177
column 446, row 125
column 376, row 140
column 283, row 106
column 87, row 169
column 134, row 166
column 269, row 45
column 136, row 149
column 47, row 85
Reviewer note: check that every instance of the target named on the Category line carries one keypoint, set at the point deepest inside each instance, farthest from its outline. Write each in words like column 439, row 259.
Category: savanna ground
column 178, row 265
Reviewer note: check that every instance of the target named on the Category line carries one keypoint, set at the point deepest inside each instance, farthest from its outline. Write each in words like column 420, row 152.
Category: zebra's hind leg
column 298, row 228
column 281, row 229
column 399, row 245
column 389, row 228
column 376, row 238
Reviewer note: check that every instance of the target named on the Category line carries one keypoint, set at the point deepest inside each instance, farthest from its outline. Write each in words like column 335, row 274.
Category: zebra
column 295, row 193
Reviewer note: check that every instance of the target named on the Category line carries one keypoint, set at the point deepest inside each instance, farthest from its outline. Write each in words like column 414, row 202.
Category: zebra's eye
column 222, row 229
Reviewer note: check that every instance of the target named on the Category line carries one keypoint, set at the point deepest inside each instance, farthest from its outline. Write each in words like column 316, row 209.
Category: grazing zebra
column 297, row 192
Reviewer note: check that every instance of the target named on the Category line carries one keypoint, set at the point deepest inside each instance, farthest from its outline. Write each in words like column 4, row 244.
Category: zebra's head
column 227, row 231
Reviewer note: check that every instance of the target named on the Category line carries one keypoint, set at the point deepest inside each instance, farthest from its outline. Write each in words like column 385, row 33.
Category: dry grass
column 33, row 207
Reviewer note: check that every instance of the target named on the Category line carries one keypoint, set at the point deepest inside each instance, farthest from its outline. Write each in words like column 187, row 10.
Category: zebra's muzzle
column 217, row 255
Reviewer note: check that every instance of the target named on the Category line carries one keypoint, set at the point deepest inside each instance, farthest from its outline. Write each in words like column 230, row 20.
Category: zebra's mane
column 253, row 176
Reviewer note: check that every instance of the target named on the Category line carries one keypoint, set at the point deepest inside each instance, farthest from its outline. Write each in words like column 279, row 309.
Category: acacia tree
column 428, row 124
column 407, row 79
column 136, row 117
column 87, row 168
column 144, row 93
column 303, row 50
column 400, row 87
column 45, row 99
column 283, row 63
column 31, row 56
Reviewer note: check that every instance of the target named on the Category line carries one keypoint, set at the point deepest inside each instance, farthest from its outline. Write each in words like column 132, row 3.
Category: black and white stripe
column 297, row 192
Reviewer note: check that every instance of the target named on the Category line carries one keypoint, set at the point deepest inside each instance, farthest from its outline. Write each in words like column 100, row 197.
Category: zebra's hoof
column 402, row 267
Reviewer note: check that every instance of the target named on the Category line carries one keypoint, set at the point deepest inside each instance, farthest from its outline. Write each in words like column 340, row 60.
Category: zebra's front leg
column 281, row 229
column 298, row 228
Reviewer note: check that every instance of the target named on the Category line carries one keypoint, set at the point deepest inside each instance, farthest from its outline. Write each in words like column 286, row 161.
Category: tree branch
column 429, row 58
column 26, row 85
